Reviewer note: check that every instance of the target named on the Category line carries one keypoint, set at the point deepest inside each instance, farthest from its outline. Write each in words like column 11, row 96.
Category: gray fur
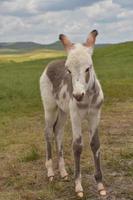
column 98, row 105
column 95, row 145
column 58, row 75
column 95, row 96
column 87, row 77
column 48, row 144
column 64, row 95
column 58, row 129
column 77, row 149
column 82, row 105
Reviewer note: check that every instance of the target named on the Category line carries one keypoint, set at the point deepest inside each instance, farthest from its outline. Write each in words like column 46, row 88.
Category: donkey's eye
column 87, row 69
column 68, row 71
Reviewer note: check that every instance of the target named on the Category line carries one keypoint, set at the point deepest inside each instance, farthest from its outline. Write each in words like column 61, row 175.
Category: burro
column 71, row 87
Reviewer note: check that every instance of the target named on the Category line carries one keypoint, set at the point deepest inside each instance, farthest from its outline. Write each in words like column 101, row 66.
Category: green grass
column 22, row 147
column 31, row 155
column 19, row 86
column 19, row 82
column 115, row 71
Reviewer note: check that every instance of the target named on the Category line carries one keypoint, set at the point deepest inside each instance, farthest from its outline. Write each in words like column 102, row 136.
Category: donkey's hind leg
column 51, row 110
column 50, row 118
column 59, row 130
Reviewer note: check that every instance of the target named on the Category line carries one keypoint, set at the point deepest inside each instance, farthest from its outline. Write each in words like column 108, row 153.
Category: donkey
column 71, row 86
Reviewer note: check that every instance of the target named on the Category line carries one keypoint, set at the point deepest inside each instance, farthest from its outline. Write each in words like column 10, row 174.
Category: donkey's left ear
column 66, row 42
column 90, row 42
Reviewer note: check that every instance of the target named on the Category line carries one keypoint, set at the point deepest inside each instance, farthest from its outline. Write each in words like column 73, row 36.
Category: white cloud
column 39, row 21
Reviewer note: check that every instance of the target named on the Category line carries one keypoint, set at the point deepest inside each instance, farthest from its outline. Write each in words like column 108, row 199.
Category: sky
column 43, row 20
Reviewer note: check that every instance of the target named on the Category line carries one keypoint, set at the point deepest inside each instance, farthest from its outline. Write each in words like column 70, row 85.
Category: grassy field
column 22, row 156
column 19, row 57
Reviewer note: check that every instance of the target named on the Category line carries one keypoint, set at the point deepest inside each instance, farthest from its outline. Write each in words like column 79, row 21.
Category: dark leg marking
column 48, row 144
column 61, row 151
column 64, row 95
column 77, row 149
column 98, row 105
column 58, row 129
column 95, row 145
column 94, row 99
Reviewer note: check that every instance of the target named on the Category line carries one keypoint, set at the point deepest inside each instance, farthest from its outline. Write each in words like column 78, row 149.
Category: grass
column 22, row 147
column 19, row 85
column 31, row 155
column 29, row 56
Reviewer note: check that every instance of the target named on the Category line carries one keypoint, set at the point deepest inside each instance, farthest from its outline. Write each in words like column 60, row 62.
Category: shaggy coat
column 71, row 86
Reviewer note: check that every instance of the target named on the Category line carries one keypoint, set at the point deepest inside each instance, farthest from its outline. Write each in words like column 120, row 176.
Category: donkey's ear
column 90, row 42
column 66, row 42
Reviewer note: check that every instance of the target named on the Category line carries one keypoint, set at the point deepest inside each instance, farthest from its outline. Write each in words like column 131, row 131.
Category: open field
column 22, row 156
column 20, row 57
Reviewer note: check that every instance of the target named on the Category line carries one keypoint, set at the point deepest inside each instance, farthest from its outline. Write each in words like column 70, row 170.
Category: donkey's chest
column 84, row 106
column 64, row 99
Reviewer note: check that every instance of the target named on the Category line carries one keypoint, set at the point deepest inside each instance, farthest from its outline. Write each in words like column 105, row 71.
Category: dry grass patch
column 22, row 157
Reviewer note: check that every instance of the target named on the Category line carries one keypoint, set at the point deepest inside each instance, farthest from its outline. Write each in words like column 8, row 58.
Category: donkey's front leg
column 95, row 147
column 77, row 148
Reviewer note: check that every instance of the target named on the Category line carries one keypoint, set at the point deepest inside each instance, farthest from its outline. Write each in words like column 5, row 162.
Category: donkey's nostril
column 78, row 97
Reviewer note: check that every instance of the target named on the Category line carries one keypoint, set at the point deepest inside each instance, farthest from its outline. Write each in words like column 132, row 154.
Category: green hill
column 114, row 66
column 18, row 47
column 28, row 46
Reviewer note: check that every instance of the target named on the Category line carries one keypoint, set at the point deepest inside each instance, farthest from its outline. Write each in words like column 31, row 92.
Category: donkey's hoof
column 80, row 194
column 65, row 178
column 101, row 189
column 103, row 192
column 51, row 178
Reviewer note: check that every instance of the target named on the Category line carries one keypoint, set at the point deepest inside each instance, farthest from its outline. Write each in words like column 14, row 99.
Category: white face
column 79, row 65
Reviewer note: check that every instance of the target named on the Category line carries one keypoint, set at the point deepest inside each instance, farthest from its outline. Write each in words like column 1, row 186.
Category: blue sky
column 43, row 20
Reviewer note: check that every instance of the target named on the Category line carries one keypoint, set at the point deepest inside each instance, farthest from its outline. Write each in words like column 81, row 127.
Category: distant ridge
column 19, row 47
column 30, row 46
column 26, row 46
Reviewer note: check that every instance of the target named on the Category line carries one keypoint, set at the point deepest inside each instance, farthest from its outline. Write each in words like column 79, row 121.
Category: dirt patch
column 25, row 179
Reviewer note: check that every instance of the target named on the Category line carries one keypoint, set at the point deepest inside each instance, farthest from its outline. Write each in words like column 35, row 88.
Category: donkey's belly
column 63, row 105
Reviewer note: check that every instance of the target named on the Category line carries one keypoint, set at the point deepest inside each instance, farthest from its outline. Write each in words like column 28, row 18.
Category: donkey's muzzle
column 78, row 97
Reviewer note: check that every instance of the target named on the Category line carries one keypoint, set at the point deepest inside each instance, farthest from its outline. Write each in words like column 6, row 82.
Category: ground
column 22, row 144
column 23, row 173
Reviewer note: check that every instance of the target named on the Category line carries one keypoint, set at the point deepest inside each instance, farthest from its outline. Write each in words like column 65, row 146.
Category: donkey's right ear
column 90, row 42
column 66, row 42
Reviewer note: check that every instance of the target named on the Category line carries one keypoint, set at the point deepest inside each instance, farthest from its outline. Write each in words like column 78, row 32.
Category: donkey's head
column 79, row 63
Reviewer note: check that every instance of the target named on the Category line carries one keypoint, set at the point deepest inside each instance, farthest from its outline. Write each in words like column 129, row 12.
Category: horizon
column 59, row 41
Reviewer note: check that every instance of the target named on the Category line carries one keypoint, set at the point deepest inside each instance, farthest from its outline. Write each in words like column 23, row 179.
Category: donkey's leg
column 58, row 130
column 94, row 117
column 50, row 118
column 77, row 148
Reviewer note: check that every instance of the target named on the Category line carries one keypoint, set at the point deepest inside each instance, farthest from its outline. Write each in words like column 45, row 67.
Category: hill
column 29, row 46
column 34, row 51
